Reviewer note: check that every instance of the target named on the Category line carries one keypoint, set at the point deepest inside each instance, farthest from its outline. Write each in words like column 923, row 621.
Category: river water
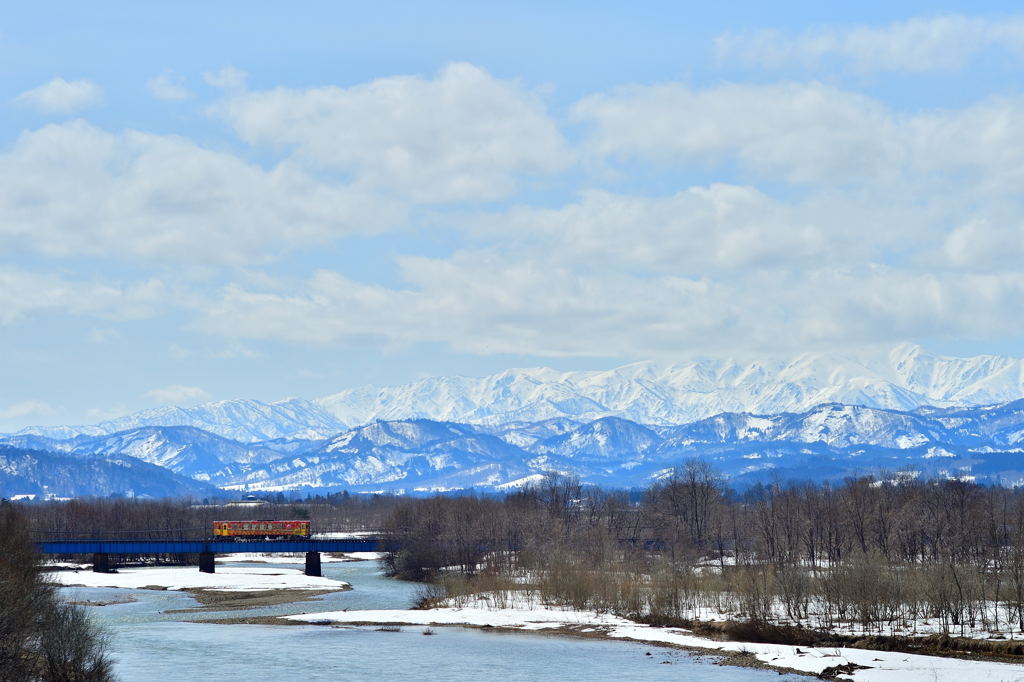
column 147, row 643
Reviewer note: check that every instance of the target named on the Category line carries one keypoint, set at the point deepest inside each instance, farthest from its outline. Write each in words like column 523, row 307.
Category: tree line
column 123, row 518
column 41, row 636
column 865, row 555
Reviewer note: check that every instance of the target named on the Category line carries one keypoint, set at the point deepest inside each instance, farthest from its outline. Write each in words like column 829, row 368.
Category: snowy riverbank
column 227, row 578
column 881, row 666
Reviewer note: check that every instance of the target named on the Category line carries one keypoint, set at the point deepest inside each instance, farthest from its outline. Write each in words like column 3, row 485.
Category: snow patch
column 226, row 579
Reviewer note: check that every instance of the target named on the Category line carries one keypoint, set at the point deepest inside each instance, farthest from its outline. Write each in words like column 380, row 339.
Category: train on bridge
column 261, row 530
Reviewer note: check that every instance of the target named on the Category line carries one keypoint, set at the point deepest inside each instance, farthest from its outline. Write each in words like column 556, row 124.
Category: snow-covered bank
column 882, row 666
column 227, row 578
column 363, row 556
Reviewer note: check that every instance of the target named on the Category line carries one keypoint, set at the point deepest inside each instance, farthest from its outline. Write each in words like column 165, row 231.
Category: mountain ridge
column 905, row 378
column 826, row 443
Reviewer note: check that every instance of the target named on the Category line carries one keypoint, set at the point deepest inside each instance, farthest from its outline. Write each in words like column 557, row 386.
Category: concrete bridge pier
column 101, row 562
column 313, row 564
column 206, row 562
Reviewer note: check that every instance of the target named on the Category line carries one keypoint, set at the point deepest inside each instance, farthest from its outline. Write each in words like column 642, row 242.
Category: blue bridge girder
column 215, row 546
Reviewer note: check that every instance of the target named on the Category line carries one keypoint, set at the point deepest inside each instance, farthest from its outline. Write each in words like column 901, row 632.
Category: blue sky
column 213, row 200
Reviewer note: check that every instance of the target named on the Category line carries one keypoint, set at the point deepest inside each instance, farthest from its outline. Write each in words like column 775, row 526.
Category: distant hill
column 57, row 475
column 242, row 420
column 827, row 442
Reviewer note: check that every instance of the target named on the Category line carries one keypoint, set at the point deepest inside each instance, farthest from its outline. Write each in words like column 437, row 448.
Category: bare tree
column 41, row 637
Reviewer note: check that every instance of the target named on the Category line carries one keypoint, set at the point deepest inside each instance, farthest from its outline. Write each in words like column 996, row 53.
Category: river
column 148, row 643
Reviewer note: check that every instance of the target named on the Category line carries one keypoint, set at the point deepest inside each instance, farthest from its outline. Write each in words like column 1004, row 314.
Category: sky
column 202, row 201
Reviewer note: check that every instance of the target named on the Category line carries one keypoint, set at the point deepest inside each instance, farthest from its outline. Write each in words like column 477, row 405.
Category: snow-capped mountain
column 609, row 438
column 826, row 442
column 242, row 420
column 47, row 475
column 184, row 450
column 815, row 416
column 525, row 434
column 832, row 424
column 902, row 379
column 408, row 455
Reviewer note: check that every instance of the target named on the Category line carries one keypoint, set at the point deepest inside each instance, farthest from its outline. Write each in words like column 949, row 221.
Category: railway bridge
column 101, row 550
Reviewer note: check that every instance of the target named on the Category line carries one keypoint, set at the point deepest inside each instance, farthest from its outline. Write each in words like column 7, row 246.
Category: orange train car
column 241, row 530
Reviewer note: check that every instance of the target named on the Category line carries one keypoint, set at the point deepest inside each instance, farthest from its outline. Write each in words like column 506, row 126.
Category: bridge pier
column 313, row 564
column 206, row 562
column 101, row 562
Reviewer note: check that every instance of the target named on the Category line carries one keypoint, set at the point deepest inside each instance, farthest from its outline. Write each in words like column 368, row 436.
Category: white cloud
column 23, row 293
column 74, row 189
column 353, row 311
column 463, row 135
column 168, row 86
column 808, row 132
column 177, row 395
column 904, row 225
column 178, row 352
column 101, row 414
column 61, row 97
column 723, row 266
column 234, row 351
column 103, row 335
column 811, row 133
column 27, row 408
column 484, row 305
column 698, row 230
column 982, row 243
column 228, row 78
column 918, row 44
column 231, row 351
